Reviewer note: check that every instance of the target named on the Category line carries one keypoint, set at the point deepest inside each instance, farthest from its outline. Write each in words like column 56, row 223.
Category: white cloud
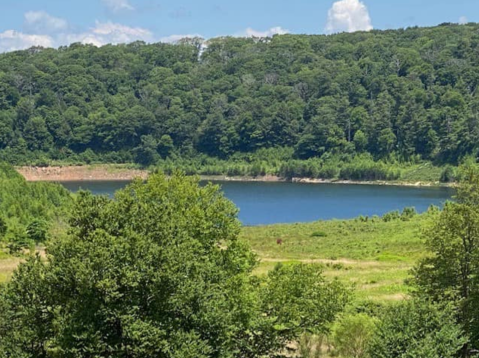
column 42, row 22
column 176, row 38
column 463, row 20
column 11, row 40
column 108, row 33
column 118, row 5
column 278, row 30
column 348, row 15
column 117, row 33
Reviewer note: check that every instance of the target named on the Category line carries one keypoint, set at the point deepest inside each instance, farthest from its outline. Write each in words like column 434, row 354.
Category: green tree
column 37, row 231
column 416, row 329
column 300, row 300
column 450, row 272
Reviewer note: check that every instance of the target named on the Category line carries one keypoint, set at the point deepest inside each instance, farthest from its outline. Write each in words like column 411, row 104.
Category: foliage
column 416, row 329
column 408, row 213
column 37, row 231
column 448, row 174
column 3, row 228
column 28, row 208
column 158, row 272
column 300, row 299
column 407, row 94
column 310, row 345
column 450, row 272
column 352, row 335
column 391, row 216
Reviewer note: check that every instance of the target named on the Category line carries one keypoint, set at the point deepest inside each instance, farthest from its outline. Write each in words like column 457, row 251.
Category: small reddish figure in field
column 279, row 242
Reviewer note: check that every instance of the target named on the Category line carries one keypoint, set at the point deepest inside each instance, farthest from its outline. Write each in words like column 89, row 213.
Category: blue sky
column 24, row 23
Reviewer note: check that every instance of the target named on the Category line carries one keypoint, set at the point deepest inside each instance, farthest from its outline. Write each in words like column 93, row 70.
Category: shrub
column 408, row 213
column 3, row 227
column 310, row 345
column 352, row 335
column 37, row 231
column 391, row 216
column 416, row 329
column 319, row 234
column 448, row 174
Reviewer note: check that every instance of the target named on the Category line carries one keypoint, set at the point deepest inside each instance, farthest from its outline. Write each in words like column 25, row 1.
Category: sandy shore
column 118, row 173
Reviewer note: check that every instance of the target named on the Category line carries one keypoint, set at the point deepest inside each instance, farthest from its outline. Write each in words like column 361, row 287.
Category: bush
column 310, row 345
column 301, row 300
column 416, row 329
column 3, row 228
column 37, row 231
column 18, row 239
column 408, row 213
column 448, row 175
column 352, row 335
column 319, row 234
column 391, row 216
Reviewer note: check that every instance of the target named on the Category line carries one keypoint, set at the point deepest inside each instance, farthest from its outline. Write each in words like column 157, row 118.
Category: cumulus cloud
column 348, row 15
column 48, row 31
column 117, row 5
column 278, row 30
column 11, row 40
column 45, row 30
column 463, row 20
column 109, row 33
column 41, row 22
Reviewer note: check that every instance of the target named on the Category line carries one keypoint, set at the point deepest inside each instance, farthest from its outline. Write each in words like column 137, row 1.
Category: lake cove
column 263, row 203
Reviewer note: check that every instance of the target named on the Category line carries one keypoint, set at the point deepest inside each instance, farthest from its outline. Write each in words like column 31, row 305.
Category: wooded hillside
column 406, row 94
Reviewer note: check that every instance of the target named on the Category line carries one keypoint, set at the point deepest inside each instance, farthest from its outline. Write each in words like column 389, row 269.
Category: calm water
column 270, row 203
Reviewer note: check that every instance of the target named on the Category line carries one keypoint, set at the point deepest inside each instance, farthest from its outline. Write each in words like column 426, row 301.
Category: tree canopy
column 408, row 93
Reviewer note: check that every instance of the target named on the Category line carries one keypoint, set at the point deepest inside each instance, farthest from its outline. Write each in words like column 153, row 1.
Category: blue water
column 271, row 203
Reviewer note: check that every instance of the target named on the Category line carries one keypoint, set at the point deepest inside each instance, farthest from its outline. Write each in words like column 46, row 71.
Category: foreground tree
column 416, row 329
column 157, row 272
column 451, row 272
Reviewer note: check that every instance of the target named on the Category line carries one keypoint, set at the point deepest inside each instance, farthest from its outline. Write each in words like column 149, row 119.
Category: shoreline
column 106, row 172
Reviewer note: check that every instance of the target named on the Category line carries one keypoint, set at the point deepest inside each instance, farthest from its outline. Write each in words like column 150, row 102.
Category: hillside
column 405, row 95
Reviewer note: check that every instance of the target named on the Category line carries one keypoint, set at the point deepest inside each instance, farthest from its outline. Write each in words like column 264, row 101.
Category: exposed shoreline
column 81, row 173
column 122, row 173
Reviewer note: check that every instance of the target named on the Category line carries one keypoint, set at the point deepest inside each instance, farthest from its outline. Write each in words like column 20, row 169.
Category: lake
column 270, row 203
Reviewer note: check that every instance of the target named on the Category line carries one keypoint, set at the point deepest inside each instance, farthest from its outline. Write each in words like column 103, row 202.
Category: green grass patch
column 375, row 257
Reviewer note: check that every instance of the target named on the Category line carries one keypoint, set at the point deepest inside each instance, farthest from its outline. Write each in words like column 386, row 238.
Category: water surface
column 271, row 203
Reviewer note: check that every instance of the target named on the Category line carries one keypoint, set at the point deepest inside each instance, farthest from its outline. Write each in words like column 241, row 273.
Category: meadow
column 373, row 255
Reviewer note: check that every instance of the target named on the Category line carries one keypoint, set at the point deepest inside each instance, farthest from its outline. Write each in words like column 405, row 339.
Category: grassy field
column 375, row 256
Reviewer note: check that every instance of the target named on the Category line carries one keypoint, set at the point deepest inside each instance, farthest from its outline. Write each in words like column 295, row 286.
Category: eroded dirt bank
column 117, row 172
column 81, row 173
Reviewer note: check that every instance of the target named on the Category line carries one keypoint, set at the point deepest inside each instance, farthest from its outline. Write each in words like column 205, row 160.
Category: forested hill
column 404, row 93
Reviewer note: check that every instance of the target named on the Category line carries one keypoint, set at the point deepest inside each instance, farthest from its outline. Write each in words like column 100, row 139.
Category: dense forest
column 408, row 94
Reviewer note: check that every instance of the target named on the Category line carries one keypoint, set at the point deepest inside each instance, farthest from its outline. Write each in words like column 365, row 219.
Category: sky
column 53, row 23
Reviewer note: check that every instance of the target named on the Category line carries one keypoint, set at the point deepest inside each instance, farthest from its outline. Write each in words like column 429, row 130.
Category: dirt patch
column 81, row 173
column 111, row 172
column 325, row 261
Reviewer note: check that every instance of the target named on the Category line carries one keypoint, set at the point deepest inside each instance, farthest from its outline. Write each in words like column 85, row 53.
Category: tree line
column 408, row 94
